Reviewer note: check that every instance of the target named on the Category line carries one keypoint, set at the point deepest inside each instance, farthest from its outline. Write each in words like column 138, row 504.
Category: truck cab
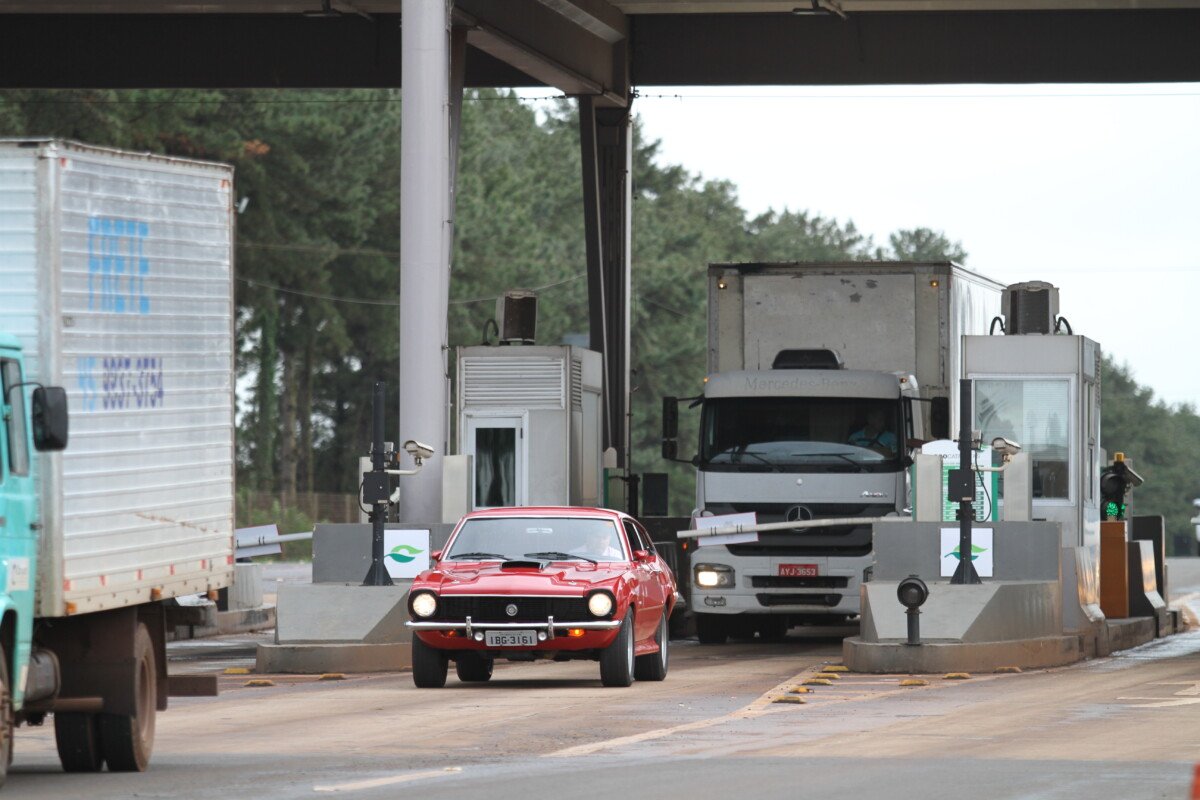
column 34, row 419
column 797, row 445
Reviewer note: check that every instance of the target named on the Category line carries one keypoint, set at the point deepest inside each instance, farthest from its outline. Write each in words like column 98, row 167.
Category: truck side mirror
column 49, row 418
column 939, row 417
column 670, row 428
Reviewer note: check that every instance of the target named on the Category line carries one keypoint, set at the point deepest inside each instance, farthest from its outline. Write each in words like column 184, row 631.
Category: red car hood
column 568, row 579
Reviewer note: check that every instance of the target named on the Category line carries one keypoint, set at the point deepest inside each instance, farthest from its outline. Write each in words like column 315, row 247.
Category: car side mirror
column 643, row 555
column 49, row 417
column 436, row 555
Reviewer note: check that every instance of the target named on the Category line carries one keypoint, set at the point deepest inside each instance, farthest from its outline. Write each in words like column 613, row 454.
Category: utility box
column 529, row 416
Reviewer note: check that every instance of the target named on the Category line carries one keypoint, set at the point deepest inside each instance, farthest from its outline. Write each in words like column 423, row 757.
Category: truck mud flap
column 192, row 686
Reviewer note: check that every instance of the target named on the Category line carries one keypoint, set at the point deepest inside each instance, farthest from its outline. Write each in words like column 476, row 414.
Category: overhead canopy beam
column 290, row 51
column 577, row 46
column 917, row 48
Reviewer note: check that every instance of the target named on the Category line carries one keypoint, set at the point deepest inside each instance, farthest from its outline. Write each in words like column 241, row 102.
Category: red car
column 549, row 583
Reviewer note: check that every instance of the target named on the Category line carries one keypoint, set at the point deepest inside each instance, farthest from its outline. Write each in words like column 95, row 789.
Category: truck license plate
column 510, row 638
column 797, row 570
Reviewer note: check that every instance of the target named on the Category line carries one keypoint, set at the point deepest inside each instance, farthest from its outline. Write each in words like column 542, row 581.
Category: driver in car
column 601, row 542
column 875, row 435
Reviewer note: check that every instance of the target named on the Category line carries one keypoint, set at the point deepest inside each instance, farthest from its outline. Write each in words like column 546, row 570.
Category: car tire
column 473, row 668
column 711, row 629
column 429, row 665
column 128, row 739
column 616, row 660
column 653, row 666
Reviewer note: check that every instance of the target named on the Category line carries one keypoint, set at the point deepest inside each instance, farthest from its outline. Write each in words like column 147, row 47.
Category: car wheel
column 429, row 665
column 616, row 660
column 473, row 668
column 653, row 666
column 711, row 629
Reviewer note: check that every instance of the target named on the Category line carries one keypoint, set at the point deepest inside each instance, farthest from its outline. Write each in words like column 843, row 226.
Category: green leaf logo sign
column 404, row 553
column 976, row 551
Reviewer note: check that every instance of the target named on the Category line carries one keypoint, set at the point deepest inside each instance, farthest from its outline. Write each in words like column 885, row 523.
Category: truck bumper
column 760, row 589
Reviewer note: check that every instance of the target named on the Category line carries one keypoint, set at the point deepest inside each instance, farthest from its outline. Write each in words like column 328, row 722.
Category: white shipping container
column 117, row 274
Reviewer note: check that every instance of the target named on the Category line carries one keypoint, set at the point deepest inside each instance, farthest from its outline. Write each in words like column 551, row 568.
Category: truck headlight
column 600, row 604
column 714, row 576
column 424, row 604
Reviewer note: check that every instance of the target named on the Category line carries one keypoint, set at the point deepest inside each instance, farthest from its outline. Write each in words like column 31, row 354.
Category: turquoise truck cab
column 34, row 419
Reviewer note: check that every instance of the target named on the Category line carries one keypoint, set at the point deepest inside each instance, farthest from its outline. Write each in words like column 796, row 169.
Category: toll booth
column 1042, row 390
column 529, row 418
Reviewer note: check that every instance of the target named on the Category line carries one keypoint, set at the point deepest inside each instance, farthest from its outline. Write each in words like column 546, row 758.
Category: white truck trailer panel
column 118, row 274
column 906, row 316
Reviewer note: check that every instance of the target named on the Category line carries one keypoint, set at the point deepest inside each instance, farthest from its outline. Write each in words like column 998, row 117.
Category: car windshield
column 538, row 539
column 762, row 434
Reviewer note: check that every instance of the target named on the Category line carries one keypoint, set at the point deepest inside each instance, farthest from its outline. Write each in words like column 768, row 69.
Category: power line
column 391, row 303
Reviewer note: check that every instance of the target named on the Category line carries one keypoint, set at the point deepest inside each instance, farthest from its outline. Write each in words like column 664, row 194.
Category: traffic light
column 1115, row 482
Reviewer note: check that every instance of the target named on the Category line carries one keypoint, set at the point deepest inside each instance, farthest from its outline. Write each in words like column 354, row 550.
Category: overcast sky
column 1093, row 188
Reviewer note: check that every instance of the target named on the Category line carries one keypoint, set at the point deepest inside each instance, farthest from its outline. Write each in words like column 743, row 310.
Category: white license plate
column 510, row 638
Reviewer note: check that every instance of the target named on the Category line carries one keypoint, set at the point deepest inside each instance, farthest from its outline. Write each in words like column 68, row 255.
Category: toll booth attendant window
column 495, row 467
column 1036, row 415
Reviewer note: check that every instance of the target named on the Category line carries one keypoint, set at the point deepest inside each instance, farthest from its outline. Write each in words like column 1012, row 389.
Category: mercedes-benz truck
column 822, row 379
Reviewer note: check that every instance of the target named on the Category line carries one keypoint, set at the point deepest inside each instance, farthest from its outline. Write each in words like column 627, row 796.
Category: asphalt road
column 1121, row 727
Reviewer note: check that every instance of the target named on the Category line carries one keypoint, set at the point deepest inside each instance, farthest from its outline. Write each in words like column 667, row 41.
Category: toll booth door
column 498, row 447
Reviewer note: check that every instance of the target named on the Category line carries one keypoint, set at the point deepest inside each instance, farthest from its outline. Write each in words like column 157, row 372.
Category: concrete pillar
column 425, row 230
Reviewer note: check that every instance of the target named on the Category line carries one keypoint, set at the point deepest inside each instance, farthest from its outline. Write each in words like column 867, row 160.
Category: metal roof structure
column 601, row 47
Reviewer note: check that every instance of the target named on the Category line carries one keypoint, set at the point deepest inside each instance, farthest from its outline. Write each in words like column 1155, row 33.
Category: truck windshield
column 795, row 434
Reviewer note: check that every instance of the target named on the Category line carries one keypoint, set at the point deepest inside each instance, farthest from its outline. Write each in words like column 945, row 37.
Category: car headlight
column 714, row 576
column 424, row 604
column 600, row 604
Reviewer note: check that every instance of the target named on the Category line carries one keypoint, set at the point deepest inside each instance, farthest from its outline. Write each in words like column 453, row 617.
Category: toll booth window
column 1036, row 414
column 14, row 415
column 495, row 467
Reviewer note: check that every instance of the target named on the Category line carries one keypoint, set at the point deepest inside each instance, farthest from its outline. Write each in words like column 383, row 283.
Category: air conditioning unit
column 516, row 316
column 1030, row 307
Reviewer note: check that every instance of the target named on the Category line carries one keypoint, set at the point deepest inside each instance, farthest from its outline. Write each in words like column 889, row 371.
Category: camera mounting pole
column 377, row 490
column 961, row 485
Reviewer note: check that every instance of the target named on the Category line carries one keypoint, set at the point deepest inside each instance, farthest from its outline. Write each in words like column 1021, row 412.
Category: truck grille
column 781, row 582
column 826, row 600
column 492, row 609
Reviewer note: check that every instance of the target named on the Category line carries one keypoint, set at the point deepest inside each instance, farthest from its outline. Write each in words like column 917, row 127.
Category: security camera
column 418, row 450
column 1005, row 447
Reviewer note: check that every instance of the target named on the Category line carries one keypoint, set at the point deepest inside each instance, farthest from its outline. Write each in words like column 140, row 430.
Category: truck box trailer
column 822, row 377
column 118, row 273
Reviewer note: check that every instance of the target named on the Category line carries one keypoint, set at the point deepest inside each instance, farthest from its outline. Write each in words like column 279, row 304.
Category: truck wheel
column 128, row 739
column 77, row 737
column 653, row 666
column 6, row 718
column 473, row 668
column 773, row 629
column 429, row 665
column 616, row 660
column 711, row 629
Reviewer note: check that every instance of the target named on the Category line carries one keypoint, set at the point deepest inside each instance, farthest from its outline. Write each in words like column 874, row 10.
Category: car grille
column 782, row 582
column 529, row 609
column 827, row 600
